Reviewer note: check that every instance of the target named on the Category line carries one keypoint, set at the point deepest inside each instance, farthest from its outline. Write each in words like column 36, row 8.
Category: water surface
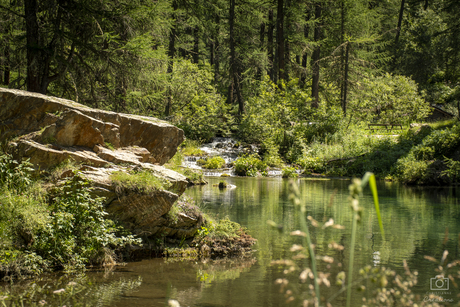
column 415, row 222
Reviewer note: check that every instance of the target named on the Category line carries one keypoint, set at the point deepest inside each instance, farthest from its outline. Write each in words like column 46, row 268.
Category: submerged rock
column 50, row 131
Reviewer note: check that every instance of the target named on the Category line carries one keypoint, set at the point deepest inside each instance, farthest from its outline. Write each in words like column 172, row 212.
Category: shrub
column 283, row 121
column 14, row 175
column 190, row 148
column 77, row 232
column 250, row 166
column 213, row 162
column 411, row 171
column 453, row 169
column 289, row 172
column 311, row 164
column 389, row 99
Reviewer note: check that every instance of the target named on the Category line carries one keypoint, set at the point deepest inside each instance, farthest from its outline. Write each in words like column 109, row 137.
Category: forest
column 286, row 75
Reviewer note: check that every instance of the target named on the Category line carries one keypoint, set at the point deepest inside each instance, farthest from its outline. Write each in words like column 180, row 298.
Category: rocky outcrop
column 68, row 123
column 50, row 131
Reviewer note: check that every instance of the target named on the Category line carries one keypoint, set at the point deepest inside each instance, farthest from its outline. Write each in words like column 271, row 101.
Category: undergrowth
column 62, row 228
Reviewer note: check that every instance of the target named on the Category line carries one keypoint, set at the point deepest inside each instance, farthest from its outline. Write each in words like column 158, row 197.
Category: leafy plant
column 289, row 172
column 250, row 166
column 389, row 99
column 213, row 162
column 14, row 175
column 191, row 148
column 453, row 170
column 78, row 231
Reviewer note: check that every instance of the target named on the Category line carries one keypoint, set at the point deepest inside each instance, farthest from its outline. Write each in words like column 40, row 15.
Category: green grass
column 190, row 148
column 143, row 181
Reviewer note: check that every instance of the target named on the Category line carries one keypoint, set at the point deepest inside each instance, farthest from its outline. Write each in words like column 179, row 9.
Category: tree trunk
column 262, row 45
column 280, row 39
column 196, row 42
column 398, row 32
column 235, row 82
column 287, row 46
column 6, row 67
column 270, row 45
column 345, row 81
column 216, row 51
column 342, row 50
column 232, row 52
column 306, row 31
column 33, row 51
column 316, row 57
column 171, row 52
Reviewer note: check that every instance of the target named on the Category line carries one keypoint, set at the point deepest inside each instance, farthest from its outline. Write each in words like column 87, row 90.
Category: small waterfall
column 229, row 149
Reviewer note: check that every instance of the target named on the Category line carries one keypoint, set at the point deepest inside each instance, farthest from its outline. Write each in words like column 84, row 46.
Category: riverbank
column 424, row 154
column 46, row 227
column 81, row 187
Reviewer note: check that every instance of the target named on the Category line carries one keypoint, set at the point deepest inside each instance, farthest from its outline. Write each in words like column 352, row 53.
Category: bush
column 283, row 121
column 289, row 172
column 453, row 170
column 311, row 164
column 14, row 175
column 77, row 232
column 213, row 162
column 250, row 166
column 388, row 99
column 411, row 171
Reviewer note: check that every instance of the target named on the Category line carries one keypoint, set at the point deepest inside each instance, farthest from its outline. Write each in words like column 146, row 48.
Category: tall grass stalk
column 356, row 189
column 295, row 196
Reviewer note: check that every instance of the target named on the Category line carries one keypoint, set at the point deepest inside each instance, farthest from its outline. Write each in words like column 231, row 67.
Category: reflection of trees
column 414, row 220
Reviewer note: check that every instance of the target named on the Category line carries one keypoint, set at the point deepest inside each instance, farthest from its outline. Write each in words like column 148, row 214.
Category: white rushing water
column 227, row 148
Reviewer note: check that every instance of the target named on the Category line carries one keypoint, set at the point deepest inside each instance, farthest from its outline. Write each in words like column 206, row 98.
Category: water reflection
column 415, row 222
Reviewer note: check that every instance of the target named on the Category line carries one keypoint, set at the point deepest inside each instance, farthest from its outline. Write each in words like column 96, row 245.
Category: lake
column 414, row 218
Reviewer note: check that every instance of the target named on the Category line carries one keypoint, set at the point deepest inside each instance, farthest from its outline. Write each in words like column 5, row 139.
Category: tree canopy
column 191, row 60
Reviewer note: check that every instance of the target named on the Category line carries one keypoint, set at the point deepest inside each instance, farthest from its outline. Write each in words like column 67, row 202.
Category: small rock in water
column 173, row 303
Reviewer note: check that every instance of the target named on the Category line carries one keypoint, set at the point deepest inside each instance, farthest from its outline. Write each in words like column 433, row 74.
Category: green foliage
column 224, row 228
column 389, row 99
column 67, row 228
column 213, row 162
column 410, row 170
column 284, row 122
column 77, row 232
column 453, row 170
column 191, row 148
column 199, row 110
column 311, row 164
column 142, row 181
column 14, row 175
column 250, row 166
column 289, row 172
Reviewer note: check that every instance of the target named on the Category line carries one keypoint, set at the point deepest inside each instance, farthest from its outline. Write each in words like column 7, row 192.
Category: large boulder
column 68, row 123
column 50, row 131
